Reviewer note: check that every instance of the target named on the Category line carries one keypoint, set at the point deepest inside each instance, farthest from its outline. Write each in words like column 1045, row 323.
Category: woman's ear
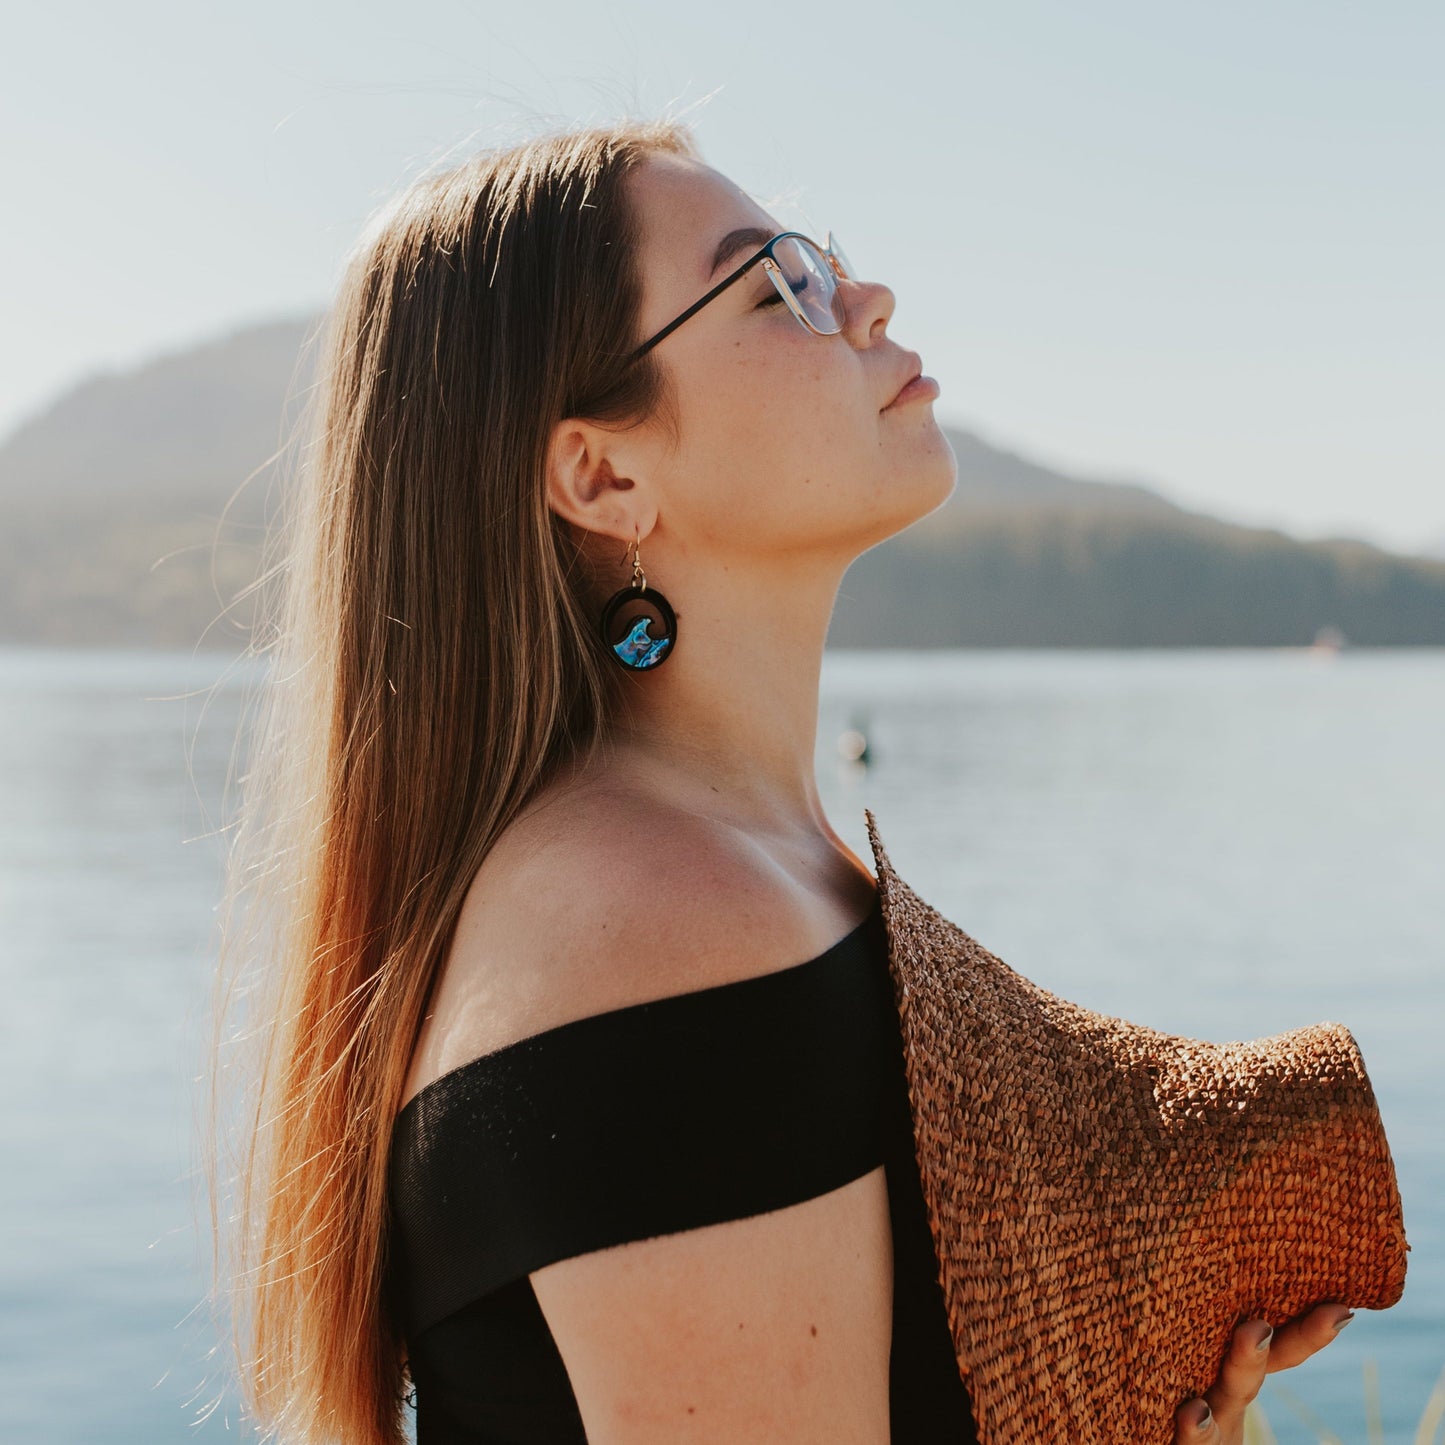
column 584, row 487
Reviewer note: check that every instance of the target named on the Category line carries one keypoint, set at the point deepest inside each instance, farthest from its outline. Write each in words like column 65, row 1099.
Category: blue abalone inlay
column 637, row 649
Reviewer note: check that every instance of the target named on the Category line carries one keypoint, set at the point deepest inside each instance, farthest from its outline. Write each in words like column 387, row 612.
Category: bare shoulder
column 605, row 898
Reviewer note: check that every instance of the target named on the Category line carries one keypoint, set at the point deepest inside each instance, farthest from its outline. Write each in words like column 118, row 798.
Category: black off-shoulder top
column 672, row 1114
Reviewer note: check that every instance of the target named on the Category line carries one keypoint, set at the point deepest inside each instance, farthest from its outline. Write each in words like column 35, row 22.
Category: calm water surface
column 1223, row 844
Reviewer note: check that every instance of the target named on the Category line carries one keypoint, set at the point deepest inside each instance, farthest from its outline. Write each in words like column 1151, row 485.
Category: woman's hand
column 1218, row 1417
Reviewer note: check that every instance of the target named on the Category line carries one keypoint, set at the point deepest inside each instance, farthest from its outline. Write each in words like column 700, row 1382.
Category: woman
column 524, row 878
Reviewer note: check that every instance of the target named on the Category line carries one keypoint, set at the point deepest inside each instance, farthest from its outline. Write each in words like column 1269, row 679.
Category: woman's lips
column 921, row 388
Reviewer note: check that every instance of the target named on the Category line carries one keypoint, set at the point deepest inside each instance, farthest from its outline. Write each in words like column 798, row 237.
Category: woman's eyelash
column 771, row 298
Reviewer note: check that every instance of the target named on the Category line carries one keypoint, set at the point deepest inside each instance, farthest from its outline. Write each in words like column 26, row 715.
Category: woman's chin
column 916, row 490
column 935, row 477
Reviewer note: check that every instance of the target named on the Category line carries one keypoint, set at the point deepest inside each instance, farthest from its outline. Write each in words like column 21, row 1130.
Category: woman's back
column 654, row 1174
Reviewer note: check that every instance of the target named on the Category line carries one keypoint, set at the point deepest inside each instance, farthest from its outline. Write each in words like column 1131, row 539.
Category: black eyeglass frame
column 765, row 255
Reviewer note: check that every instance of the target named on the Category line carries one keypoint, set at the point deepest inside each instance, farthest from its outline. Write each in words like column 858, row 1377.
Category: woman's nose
column 869, row 305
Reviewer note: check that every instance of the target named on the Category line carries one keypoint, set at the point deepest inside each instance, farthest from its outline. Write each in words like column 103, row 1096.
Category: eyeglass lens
column 813, row 281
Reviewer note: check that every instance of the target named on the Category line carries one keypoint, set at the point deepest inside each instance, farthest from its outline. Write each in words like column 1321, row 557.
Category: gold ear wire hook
column 639, row 577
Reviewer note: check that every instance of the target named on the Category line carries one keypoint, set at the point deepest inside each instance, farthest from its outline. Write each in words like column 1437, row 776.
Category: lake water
column 1223, row 844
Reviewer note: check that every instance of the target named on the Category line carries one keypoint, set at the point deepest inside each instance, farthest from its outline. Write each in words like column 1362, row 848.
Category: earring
column 630, row 616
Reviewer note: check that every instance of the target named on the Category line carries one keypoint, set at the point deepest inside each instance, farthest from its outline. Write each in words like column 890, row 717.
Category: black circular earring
column 638, row 623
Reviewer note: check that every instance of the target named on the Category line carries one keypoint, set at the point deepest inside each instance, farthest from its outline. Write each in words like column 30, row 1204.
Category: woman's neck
column 732, row 715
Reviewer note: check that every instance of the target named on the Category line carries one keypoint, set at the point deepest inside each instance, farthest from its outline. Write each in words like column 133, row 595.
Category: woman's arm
column 774, row 1328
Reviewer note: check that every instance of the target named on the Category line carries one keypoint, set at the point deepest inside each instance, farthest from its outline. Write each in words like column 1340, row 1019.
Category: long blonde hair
column 433, row 661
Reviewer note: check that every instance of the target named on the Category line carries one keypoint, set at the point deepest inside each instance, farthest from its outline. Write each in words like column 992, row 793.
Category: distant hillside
column 1068, row 577
column 185, row 427
column 111, row 503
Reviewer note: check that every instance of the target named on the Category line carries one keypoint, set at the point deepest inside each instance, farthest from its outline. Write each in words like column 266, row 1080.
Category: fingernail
column 1340, row 1324
column 1204, row 1421
column 1263, row 1345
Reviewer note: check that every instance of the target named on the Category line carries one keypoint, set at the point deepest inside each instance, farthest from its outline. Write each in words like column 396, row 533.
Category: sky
column 1195, row 247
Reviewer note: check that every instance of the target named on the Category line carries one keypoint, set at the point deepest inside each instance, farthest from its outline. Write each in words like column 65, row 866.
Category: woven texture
column 1108, row 1202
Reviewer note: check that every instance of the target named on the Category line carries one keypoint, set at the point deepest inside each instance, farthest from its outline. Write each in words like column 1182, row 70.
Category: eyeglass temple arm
column 765, row 252
column 694, row 308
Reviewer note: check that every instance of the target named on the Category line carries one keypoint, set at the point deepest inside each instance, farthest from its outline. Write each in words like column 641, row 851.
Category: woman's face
column 785, row 444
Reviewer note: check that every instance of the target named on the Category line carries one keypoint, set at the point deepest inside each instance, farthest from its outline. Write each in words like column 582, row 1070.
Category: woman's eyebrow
column 745, row 238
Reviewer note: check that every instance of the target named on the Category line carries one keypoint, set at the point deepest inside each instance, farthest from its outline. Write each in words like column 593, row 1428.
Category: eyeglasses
column 806, row 276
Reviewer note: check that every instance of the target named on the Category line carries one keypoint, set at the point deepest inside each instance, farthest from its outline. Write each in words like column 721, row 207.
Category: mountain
column 183, row 428
column 132, row 510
